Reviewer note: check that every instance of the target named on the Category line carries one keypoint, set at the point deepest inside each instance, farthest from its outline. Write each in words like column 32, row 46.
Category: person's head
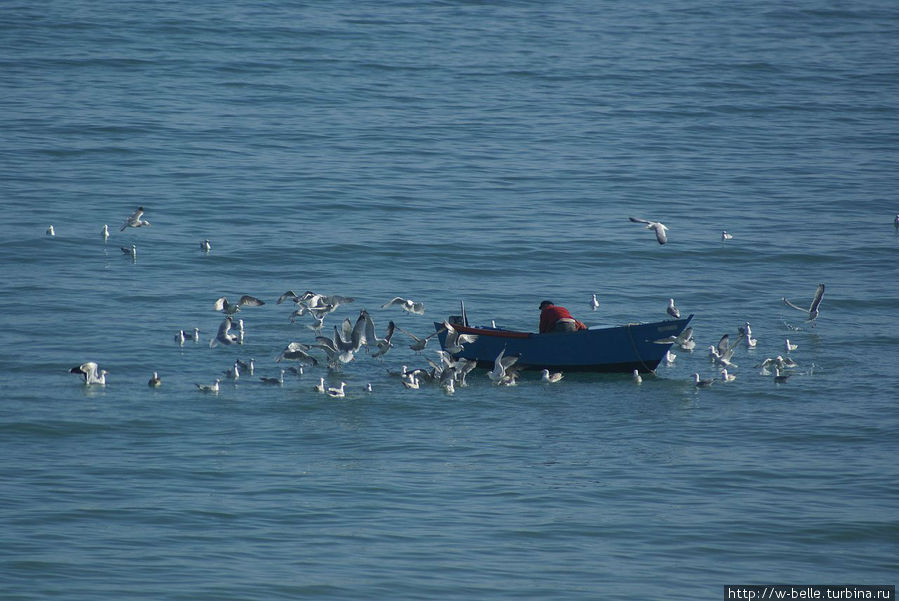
column 545, row 304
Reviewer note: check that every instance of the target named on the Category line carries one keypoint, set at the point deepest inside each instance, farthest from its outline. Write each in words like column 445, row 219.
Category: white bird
column 594, row 303
column 91, row 373
column 669, row 358
column 684, row 340
column 726, row 236
column 130, row 251
column 134, row 220
column 789, row 346
column 297, row 351
column 780, row 377
column 546, row 376
column 222, row 304
column 726, row 376
column 418, row 344
column 196, row 334
column 382, row 345
column 410, row 380
column 659, row 228
column 105, row 232
column 155, row 381
column 407, row 305
column 51, row 231
column 279, row 380
column 224, row 335
column 180, row 337
column 672, row 310
column 813, row 308
column 205, row 246
column 638, row 379
column 320, row 387
column 214, row 388
column 368, row 388
column 454, row 341
column 233, row 372
column 247, row 366
column 701, row 383
column 500, row 366
column 746, row 332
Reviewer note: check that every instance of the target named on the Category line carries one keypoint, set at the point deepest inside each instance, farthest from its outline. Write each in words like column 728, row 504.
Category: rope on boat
column 634, row 346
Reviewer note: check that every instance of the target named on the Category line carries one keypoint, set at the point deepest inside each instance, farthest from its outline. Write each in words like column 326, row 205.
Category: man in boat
column 555, row 319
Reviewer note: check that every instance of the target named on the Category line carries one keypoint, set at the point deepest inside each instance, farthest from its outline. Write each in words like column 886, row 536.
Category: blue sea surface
column 445, row 151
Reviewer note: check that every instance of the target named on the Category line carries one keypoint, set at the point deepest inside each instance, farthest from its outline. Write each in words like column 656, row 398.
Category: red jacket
column 550, row 315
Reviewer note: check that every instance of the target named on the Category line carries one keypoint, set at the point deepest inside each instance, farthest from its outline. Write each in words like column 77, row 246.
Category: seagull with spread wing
column 812, row 310
column 659, row 228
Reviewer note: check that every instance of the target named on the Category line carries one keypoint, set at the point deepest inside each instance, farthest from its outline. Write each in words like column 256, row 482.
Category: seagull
column 672, row 310
column 449, row 386
column 789, row 346
column 746, row 332
column 134, row 220
column 205, row 246
column 701, row 383
column 500, row 366
column 813, row 308
column 407, row 305
column 297, row 351
column 233, row 372
column 105, row 232
column 91, row 373
column 222, row 304
column 638, row 379
column 656, row 226
column 51, row 231
column 669, row 358
column 594, row 303
column 545, row 376
column 196, row 334
column 214, row 388
column 684, row 340
column 726, row 377
column 249, row 366
column 726, row 236
column 320, row 387
column 368, row 388
column 410, row 380
column 383, row 344
column 224, row 335
column 180, row 337
column 279, row 380
column 418, row 344
column 779, row 377
column 130, row 251
column 155, row 381
column 454, row 339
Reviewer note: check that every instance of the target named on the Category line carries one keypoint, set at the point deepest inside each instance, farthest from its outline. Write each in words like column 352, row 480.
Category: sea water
column 485, row 152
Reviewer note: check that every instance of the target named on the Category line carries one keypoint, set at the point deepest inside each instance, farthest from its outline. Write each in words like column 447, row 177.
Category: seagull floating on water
column 669, row 358
column 746, row 332
column 638, row 379
column 672, row 310
column 656, row 226
column 130, row 251
column 813, row 308
column 726, row 376
column 214, row 388
column 51, row 231
column 594, row 303
column 407, row 305
column 105, row 232
column 155, row 381
column 279, row 380
column 726, row 236
column 545, row 376
column 91, row 373
column 790, row 346
column 205, row 246
column 134, row 220
column 701, row 383
column 320, row 387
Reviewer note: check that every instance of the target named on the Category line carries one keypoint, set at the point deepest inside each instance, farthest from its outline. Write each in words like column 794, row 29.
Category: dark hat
column 545, row 304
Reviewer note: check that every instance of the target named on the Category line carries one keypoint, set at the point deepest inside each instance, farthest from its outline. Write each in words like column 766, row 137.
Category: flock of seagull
column 349, row 339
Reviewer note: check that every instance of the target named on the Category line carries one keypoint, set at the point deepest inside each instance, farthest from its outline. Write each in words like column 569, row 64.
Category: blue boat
column 639, row 346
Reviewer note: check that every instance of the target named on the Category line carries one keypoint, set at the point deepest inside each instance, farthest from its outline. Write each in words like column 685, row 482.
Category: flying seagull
column 408, row 305
column 222, row 304
column 813, row 308
column 656, row 226
column 134, row 220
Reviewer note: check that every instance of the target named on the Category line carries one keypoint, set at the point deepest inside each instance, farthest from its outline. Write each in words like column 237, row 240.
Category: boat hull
column 615, row 349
